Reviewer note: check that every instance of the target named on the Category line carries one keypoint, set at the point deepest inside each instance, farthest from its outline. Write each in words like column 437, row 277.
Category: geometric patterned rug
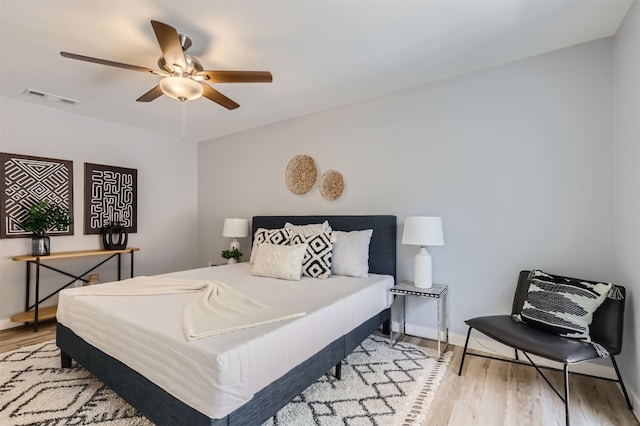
column 380, row 386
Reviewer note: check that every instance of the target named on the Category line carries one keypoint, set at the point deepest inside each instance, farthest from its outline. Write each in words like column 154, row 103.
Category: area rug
column 380, row 386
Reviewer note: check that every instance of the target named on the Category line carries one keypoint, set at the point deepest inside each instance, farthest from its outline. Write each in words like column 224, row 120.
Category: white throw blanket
column 217, row 309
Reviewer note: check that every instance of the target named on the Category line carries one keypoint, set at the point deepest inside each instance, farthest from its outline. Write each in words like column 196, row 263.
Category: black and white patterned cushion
column 562, row 305
column 279, row 236
column 317, row 259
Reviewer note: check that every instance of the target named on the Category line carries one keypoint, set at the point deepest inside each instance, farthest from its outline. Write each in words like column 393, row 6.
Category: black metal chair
column 605, row 329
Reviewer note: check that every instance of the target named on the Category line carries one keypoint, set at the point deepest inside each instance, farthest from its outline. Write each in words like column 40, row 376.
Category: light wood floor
column 489, row 392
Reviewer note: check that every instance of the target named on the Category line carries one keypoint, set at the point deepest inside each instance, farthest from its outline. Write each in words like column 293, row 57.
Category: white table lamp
column 423, row 231
column 235, row 228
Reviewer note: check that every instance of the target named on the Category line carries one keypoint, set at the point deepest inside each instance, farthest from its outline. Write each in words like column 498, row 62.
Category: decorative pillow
column 273, row 236
column 562, row 305
column 351, row 253
column 315, row 228
column 277, row 261
column 317, row 259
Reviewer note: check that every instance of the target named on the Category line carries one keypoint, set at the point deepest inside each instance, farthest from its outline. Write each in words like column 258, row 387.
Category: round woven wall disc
column 301, row 174
column 331, row 185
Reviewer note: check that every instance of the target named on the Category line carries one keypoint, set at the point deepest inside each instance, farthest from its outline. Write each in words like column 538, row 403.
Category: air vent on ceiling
column 49, row 97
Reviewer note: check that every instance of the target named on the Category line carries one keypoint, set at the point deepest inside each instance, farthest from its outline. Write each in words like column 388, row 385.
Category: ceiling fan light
column 181, row 88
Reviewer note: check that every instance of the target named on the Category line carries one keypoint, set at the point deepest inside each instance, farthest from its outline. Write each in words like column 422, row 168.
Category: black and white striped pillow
column 562, row 305
column 317, row 259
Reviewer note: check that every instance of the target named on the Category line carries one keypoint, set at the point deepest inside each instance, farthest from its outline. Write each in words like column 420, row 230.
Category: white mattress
column 218, row 374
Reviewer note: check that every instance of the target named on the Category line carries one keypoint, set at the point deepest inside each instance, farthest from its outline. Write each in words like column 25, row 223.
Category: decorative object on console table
column 331, row 185
column 234, row 228
column 301, row 174
column 114, row 237
column 42, row 218
column 423, row 231
column 26, row 180
column 110, row 196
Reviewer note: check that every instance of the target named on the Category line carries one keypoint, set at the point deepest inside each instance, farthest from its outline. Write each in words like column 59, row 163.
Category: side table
column 438, row 292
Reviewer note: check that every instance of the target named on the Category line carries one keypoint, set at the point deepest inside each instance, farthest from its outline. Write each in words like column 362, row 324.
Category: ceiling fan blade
column 169, row 44
column 150, row 95
column 105, row 62
column 215, row 96
column 236, row 76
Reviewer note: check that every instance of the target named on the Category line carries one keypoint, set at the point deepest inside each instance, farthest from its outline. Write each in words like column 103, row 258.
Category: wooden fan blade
column 169, row 44
column 152, row 94
column 237, row 76
column 105, row 62
column 215, row 96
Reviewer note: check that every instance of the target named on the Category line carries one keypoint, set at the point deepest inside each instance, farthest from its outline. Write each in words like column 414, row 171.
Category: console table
column 33, row 313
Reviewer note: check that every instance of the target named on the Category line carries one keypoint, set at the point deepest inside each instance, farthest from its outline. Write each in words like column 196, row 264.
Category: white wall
column 517, row 160
column 627, row 187
column 167, row 194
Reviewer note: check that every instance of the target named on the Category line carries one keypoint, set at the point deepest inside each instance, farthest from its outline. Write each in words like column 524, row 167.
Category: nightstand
column 437, row 292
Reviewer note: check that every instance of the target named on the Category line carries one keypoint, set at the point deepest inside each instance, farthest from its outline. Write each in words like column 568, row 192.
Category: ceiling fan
column 183, row 77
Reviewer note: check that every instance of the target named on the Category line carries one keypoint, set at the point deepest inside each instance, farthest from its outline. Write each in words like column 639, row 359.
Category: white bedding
column 216, row 308
column 216, row 375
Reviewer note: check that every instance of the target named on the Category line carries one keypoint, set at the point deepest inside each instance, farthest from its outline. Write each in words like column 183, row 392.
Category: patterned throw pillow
column 317, row 259
column 279, row 236
column 278, row 261
column 562, row 305
column 314, row 228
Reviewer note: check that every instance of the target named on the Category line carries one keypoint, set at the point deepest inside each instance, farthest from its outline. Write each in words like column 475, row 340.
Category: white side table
column 438, row 292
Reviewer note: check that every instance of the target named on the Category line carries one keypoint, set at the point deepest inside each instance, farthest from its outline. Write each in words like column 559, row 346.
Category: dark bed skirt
column 163, row 409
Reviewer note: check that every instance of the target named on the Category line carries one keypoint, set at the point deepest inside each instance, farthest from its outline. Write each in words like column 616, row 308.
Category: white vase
column 231, row 261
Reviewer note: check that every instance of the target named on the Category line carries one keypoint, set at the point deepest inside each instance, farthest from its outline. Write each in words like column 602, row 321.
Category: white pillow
column 279, row 236
column 277, row 261
column 314, row 228
column 351, row 253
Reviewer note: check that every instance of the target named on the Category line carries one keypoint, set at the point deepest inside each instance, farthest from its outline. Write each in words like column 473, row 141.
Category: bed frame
column 163, row 409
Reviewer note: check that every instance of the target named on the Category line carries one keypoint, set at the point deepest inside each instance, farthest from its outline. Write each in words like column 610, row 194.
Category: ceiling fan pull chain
column 184, row 119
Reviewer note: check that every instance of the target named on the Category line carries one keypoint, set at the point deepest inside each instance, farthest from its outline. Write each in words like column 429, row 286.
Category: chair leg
column 624, row 390
column 464, row 352
column 566, row 393
column 516, row 351
column 339, row 371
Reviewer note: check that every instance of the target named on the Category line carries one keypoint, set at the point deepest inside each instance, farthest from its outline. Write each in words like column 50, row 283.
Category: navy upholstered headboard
column 382, row 250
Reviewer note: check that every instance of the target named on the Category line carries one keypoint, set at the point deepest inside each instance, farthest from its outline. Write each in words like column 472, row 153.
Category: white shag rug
column 380, row 386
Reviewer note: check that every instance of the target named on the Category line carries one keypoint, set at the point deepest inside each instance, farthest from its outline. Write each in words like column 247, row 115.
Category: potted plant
column 232, row 256
column 41, row 218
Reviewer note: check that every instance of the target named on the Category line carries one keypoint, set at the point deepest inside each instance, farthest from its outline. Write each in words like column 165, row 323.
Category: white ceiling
column 322, row 53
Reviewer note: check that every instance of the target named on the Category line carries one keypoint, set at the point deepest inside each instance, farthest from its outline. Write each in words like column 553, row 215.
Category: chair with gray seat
column 605, row 330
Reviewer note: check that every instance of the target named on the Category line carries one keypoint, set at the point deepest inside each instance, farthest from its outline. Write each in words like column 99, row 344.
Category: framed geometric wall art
column 26, row 180
column 110, row 196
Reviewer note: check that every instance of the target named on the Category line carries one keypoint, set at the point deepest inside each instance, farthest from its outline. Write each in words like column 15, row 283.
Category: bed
column 162, row 406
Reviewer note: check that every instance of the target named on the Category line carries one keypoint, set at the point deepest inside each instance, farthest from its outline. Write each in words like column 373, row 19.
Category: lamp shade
column 181, row 88
column 235, row 228
column 423, row 231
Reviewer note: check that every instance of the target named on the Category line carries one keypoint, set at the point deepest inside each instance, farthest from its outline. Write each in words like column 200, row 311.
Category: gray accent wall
column 517, row 160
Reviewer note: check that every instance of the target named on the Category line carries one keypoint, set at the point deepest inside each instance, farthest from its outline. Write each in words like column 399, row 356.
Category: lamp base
column 235, row 244
column 422, row 269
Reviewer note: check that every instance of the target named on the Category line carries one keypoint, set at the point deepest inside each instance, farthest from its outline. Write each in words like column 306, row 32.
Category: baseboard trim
column 7, row 323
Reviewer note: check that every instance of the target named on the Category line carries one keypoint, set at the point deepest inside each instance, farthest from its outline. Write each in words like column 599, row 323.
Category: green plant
column 232, row 254
column 44, row 216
